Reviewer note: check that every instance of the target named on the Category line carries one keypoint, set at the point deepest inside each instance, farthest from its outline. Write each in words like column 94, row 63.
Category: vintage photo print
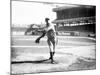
column 52, row 37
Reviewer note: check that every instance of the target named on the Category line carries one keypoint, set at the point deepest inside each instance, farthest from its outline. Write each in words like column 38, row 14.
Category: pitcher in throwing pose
column 49, row 30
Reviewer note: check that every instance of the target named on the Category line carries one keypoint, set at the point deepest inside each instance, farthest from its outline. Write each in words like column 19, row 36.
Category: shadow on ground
column 36, row 62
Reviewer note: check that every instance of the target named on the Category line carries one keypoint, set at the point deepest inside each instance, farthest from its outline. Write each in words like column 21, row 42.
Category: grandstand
column 77, row 20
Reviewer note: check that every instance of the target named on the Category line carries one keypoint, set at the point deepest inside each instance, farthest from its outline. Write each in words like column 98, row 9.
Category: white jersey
column 50, row 30
column 50, row 27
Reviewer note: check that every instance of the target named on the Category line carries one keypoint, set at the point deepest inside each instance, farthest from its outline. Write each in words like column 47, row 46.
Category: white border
column 5, row 39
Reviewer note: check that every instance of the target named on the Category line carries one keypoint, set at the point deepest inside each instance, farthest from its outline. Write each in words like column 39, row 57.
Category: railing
column 92, row 18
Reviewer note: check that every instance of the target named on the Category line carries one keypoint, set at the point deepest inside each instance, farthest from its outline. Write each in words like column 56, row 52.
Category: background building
column 77, row 20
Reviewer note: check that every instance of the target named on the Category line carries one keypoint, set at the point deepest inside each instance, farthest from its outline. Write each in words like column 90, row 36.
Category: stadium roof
column 72, row 6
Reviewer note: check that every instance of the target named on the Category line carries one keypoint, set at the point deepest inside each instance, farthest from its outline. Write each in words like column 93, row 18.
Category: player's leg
column 49, row 44
column 54, row 41
column 51, row 50
column 54, row 45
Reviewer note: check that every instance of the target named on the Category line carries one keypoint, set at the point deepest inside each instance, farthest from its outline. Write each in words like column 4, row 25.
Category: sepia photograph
column 51, row 36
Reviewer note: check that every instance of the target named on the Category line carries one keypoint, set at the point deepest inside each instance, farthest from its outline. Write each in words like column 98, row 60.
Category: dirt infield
column 63, row 62
column 72, row 54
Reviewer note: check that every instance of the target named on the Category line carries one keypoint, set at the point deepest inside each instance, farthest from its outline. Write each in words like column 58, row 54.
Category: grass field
column 72, row 53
